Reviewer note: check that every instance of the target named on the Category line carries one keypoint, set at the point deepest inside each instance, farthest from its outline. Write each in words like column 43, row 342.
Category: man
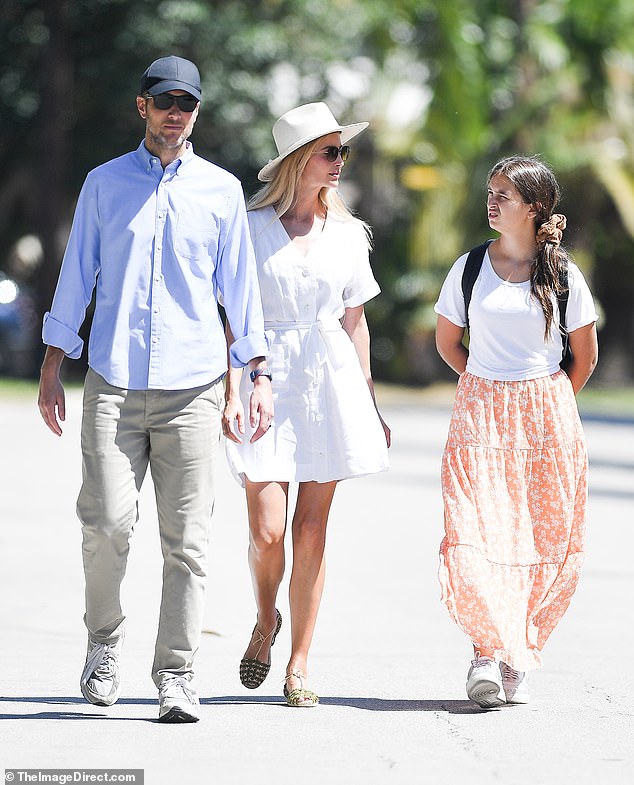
column 161, row 235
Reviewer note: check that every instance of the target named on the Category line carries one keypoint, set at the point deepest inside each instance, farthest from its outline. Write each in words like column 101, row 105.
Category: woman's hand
column 449, row 344
column 386, row 430
column 261, row 407
column 356, row 325
column 585, row 353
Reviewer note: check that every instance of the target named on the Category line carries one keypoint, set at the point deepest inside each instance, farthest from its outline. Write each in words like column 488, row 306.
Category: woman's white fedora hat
column 301, row 125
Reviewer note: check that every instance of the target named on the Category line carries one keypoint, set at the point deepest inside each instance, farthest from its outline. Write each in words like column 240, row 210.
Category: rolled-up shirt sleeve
column 77, row 277
column 238, row 288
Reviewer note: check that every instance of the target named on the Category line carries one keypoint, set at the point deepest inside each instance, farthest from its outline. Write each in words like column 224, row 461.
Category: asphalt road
column 387, row 661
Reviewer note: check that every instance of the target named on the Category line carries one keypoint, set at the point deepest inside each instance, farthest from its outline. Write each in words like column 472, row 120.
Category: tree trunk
column 54, row 141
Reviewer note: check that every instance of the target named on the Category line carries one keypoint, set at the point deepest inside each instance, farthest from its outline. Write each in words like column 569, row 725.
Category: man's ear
column 141, row 106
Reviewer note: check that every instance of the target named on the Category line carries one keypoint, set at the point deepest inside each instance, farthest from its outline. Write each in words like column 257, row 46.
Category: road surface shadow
column 94, row 712
column 364, row 704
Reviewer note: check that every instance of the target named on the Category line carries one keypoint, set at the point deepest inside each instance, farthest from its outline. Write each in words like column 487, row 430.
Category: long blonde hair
column 281, row 191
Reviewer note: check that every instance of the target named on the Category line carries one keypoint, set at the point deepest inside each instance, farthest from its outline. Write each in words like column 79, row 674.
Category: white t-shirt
column 506, row 323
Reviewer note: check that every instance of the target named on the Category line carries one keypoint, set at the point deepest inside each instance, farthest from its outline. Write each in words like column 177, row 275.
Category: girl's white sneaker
column 484, row 683
column 515, row 684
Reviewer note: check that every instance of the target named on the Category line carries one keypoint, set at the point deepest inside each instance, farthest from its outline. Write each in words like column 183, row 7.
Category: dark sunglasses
column 186, row 103
column 331, row 153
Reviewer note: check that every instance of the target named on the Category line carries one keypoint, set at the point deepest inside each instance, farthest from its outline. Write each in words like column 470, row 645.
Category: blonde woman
column 314, row 272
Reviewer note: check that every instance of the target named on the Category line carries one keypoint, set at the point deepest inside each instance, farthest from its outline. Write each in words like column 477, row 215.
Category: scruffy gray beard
column 160, row 142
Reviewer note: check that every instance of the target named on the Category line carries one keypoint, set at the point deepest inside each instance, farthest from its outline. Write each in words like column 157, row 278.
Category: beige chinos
column 177, row 433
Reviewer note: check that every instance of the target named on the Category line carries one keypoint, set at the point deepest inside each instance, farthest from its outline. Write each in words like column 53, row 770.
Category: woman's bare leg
column 267, row 507
column 307, row 578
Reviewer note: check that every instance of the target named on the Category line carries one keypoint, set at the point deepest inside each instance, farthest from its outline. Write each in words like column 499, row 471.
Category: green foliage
column 449, row 88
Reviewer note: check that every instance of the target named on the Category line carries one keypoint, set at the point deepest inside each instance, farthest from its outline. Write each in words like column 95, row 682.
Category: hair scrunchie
column 551, row 231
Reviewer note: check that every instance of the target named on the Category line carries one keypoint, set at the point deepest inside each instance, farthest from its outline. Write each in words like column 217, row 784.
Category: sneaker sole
column 177, row 715
column 518, row 701
column 486, row 694
column 99, row 700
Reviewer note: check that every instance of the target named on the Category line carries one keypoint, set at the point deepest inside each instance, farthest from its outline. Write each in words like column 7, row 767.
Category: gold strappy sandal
column 299, row 698
column 254, row 671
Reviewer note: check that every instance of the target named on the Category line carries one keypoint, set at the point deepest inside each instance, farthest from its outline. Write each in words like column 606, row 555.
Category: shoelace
column 510, row 674
column 480, row 662
column 108, row 663
column 101, row 664
column 262, row 639
column 177, row 685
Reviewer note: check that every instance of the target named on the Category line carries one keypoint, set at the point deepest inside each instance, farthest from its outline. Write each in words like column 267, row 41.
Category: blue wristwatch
column 260, row 372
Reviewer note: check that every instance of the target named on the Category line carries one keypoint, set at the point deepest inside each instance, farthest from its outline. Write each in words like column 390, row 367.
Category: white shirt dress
column 325, row 424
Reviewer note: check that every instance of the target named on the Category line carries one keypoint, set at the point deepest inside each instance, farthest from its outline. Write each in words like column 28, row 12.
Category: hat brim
column 347, row 132
column 173, row 84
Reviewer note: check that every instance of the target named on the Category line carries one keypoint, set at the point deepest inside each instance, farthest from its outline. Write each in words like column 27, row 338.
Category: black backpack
column 470, row 274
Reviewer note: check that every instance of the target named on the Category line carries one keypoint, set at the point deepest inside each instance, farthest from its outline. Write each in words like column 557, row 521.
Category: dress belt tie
column 324, row 341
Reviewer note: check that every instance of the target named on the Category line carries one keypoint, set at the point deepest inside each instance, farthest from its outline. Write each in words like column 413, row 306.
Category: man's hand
column 51, row 399
column 234, row 412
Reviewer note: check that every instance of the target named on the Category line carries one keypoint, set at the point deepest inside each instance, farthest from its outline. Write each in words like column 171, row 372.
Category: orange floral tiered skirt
column 514, row 482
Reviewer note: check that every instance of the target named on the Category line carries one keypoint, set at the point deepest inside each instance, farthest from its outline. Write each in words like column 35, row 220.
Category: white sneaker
column 484, row 682
column 100, row 682
column 515, row 684
column 178, row 701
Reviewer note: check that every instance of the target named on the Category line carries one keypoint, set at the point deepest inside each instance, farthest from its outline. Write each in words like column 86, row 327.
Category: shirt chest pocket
column 195, row 239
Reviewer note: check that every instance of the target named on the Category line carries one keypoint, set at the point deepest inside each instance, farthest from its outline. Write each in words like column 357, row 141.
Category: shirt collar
column 147, row 160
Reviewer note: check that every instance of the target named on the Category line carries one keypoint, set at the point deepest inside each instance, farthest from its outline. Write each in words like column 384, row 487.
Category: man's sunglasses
column 331, row 153
column 186, row 103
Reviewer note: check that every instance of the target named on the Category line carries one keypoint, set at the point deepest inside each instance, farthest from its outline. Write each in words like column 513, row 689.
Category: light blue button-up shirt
column 160, row 247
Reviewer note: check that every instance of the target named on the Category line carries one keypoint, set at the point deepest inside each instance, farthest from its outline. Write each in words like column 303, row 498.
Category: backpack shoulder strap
column 562, row 301
column 471, row 272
